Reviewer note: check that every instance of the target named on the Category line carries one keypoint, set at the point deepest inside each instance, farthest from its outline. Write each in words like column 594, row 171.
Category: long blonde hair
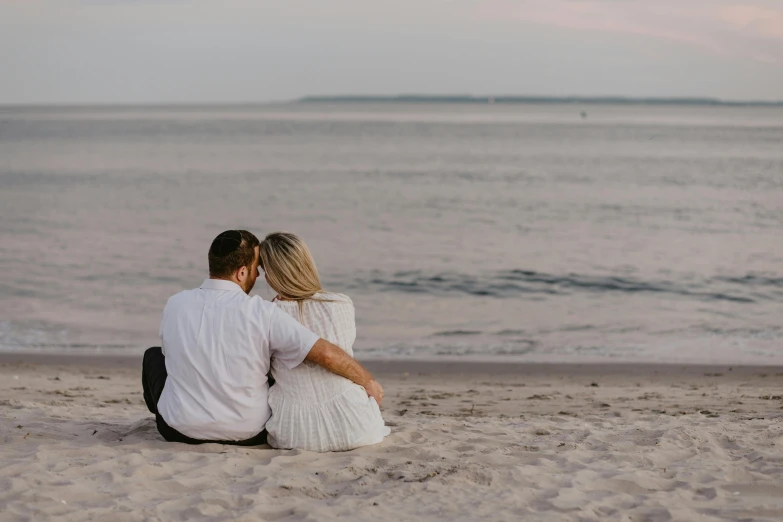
column 290, row 268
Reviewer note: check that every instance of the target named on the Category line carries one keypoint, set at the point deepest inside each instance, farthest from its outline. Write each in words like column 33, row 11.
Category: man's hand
column 333, row 358
column 375, row 391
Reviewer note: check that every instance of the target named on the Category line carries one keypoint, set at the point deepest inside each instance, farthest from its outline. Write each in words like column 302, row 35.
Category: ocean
column 524, row 232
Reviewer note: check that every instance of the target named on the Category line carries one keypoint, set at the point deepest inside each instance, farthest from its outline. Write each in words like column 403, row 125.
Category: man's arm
column 331, row 357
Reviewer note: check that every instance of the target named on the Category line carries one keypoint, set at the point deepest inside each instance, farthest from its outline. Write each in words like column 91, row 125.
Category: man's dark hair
column 230, row 251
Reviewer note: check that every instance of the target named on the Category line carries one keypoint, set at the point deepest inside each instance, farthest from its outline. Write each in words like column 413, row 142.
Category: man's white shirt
column 218, row 342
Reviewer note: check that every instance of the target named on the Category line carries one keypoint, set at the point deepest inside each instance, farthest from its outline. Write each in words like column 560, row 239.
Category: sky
column 234, row 51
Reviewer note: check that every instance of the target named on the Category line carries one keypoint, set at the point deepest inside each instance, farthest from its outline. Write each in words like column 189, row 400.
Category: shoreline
column 451, row 368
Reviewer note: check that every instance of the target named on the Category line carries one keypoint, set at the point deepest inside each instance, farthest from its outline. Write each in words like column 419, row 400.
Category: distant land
column 603, row 100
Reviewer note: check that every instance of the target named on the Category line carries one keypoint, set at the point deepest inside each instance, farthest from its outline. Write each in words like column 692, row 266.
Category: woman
column 313, row 409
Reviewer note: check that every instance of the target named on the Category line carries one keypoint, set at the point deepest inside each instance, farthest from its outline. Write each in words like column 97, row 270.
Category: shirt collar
column 220, row 284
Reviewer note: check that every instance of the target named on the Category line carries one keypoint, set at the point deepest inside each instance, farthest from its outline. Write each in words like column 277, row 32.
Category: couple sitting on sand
column 207, row 382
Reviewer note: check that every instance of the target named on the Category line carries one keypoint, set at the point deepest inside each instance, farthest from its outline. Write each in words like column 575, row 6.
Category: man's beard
column 248, row 286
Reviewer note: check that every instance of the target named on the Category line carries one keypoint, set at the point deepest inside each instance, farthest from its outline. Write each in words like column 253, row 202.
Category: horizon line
column 427, row 98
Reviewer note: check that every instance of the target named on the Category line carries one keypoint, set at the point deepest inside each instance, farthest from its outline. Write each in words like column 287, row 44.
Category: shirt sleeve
column 289, row 341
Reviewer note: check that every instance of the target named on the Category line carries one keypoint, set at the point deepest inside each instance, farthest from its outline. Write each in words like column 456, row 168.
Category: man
column 208, row 380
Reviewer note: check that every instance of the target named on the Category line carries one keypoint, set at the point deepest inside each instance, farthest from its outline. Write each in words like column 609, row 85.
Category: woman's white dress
column 312, row 408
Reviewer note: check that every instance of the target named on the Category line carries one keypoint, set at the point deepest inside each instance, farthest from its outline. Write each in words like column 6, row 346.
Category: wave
column 753, row 279
column 456, row 333
column 746, row 289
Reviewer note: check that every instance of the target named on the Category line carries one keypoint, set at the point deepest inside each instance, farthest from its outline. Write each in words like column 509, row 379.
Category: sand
column 468, row 442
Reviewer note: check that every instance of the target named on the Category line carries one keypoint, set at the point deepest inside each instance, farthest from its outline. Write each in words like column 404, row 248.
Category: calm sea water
column 494, row 232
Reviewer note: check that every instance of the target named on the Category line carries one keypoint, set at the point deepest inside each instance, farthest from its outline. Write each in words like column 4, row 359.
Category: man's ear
column 242, row 273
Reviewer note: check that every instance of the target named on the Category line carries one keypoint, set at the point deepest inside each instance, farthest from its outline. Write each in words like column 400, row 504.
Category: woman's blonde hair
column 290, row 267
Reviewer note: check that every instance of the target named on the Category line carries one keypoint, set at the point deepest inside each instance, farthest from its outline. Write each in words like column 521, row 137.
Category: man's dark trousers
column 153, row 379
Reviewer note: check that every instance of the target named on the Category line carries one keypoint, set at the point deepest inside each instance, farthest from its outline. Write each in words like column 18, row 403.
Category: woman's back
column 314, row 409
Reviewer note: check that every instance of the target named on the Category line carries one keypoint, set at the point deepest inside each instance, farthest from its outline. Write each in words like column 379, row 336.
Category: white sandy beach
column 468, row 442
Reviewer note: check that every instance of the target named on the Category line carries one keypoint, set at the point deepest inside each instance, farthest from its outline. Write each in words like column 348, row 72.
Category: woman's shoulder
column 322, row 300
column 332, row 298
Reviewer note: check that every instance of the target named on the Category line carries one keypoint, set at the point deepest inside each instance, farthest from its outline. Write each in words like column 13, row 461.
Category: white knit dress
column 312, row 408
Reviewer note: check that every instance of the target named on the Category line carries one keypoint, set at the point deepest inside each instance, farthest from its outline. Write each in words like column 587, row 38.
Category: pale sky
column 157, row 51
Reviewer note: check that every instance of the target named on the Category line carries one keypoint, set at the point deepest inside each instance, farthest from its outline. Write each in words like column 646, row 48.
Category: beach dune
column 469, row 442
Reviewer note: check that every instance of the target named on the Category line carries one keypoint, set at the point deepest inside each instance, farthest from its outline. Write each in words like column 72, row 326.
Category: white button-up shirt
column 218, row 342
